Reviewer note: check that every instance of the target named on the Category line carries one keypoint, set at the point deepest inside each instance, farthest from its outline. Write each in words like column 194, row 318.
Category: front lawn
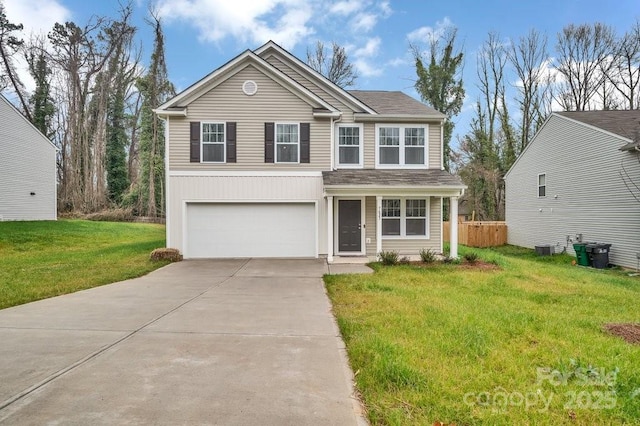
column 520, row 345
column 45, row 259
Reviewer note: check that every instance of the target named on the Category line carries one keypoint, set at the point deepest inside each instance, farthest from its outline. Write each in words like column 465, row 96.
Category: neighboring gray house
column 27, row 168
column 267, row 158
column 580, row 174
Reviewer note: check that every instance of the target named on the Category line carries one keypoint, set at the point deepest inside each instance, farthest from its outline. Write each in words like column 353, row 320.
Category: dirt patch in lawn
column 629, row 332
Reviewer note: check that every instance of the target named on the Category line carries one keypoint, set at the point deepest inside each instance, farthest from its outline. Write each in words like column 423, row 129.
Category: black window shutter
column 305, row 136
column 268, row 142
column 231, row 142
column 195, row 142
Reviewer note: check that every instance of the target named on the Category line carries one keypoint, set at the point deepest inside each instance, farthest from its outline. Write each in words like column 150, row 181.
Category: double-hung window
column 287, row 139
column 401, row 145
column 542, row 185
column 405, row 217
column 349, row 145
column 213, row 143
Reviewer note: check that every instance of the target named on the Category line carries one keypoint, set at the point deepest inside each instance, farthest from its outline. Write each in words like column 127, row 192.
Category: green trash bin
column 581, row 254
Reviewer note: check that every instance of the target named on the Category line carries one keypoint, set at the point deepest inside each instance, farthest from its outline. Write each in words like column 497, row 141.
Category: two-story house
column 267, row 158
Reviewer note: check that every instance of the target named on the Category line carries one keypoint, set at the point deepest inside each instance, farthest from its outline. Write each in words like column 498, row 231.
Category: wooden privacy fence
column 479, row 234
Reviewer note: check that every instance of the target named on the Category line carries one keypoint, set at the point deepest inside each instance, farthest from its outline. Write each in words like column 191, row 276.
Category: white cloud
column 364, row 22
column 370, row 49
column 364, row 58
column 346, row 7
column 385, row 8
column 428, row 34
column 287, row 22
column 399, row 62
column 37, row 17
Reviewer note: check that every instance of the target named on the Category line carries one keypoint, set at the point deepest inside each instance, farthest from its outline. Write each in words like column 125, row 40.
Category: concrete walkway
column 228, row 342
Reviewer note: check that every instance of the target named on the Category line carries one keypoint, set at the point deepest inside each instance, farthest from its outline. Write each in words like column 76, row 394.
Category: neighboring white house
column 267, row 158
column 580, row 174
column 27, row 168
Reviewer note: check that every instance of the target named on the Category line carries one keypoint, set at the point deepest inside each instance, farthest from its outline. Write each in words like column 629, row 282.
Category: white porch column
column 453, row 223
column 378, row 225
column 330, row 229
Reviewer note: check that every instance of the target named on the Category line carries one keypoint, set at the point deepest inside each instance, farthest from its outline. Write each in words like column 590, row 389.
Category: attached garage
column 250, row 230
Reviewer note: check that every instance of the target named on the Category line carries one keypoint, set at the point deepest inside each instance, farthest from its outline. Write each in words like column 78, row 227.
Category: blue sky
column 204, row 34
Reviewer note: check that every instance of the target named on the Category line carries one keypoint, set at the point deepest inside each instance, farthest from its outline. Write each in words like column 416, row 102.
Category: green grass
column 45, row 259
column 475, row 347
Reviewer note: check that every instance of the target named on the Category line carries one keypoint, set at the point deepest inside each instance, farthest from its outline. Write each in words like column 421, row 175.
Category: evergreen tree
column 440, row 82
column 42, row 106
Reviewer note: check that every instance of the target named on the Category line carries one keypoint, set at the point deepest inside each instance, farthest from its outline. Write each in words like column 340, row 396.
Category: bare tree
column 583, row 60
column 624, row 74
column 334, row 66
column 529, row 58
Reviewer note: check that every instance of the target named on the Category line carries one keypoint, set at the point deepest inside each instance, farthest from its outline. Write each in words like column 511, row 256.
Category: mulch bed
column 629, row 332
column 478, row 265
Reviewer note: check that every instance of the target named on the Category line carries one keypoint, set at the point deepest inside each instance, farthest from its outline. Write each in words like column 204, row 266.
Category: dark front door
column 349, row 226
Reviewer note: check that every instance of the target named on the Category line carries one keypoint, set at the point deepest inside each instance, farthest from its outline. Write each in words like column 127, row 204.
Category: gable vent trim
column 249, row 88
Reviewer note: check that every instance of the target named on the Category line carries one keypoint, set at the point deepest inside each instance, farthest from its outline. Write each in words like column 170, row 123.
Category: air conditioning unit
column 544, row 250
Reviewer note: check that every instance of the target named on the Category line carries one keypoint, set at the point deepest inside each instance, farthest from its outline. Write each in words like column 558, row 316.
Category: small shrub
column 471, row 257
column 450, row 260
column 428, row 256
column 113, row 215
column 170, row 254
column 404, row 260
column 388, row 257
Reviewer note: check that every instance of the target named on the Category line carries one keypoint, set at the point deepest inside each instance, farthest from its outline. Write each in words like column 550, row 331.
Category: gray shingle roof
column 385, row 102
column 390, row 178
column 625, row 123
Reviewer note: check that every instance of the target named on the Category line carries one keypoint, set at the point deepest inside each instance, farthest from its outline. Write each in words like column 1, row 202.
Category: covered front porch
column 369, row 211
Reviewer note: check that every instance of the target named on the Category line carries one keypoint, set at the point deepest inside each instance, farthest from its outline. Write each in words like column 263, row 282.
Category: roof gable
column 19, row 116
column 234, row 66
column 599, row 121
column 272, row 48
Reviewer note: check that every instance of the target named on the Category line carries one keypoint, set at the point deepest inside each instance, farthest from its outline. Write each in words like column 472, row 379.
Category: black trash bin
column 599, row 255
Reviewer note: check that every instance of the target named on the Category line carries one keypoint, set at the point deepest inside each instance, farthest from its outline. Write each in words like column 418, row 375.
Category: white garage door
column 251, row 230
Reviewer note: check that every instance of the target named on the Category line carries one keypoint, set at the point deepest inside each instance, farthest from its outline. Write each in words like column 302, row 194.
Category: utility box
column 544, row 250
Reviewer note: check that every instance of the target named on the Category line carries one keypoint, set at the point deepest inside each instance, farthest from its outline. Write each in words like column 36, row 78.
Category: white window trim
column 275, row 143
column 401, row 147
column 403, row 219
column 360, row 146
column 223, row 143
column 538, row 185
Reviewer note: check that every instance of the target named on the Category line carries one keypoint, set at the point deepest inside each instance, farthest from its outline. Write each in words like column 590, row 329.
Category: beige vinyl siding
column 272, row 103
column 406, row 247
column 369, row 145
column 27, row 164
column 583, row 169
column 243, row 189
column 347, row 113
column 435, row 152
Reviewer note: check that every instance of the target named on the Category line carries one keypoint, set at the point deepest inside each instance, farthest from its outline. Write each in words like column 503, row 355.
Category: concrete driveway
column 229, row 342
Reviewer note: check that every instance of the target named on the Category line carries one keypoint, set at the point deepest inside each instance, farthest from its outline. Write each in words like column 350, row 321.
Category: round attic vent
column 249, row 87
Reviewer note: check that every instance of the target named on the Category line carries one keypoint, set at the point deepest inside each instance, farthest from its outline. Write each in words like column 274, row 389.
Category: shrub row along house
column 27, row 168
column 580, row 174
column 267, row 158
